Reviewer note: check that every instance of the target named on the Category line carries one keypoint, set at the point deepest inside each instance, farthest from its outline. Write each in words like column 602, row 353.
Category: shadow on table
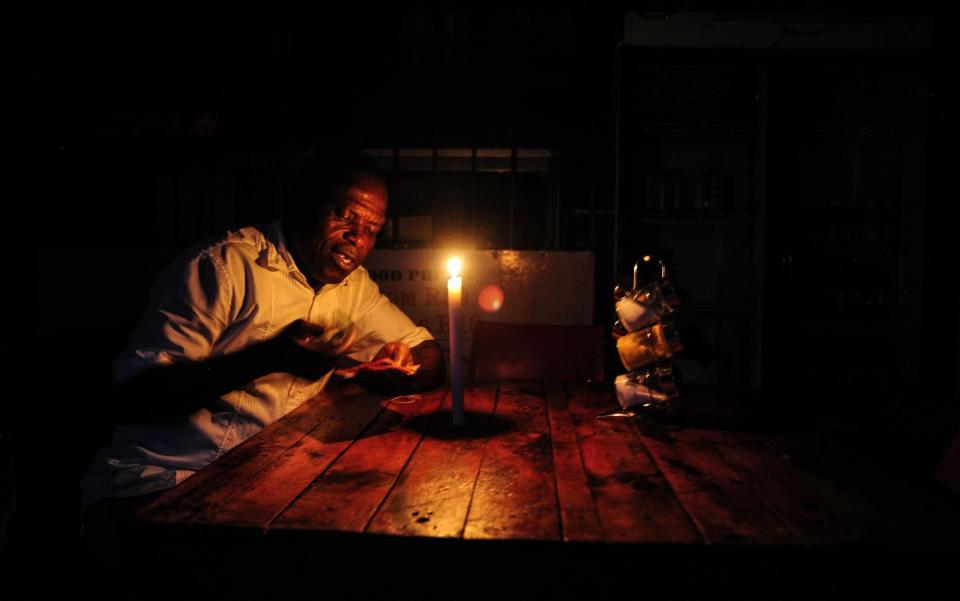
column 476, row 425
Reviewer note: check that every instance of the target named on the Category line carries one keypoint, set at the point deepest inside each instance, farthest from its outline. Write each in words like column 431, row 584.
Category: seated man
column 245, row 328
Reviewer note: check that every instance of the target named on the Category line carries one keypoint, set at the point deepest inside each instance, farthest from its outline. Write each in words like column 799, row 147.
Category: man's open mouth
column 344, row 260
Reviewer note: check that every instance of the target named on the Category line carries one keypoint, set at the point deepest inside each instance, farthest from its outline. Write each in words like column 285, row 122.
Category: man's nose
column 354, row 234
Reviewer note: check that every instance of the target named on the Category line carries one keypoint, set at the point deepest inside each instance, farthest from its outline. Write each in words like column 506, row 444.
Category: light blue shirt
column 225, row 296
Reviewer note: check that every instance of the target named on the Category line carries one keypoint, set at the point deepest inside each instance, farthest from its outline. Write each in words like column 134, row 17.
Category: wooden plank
column 261, row 496
column 347, row 495
column 432, row 495
column 860, row 480
column 634, row 502
column 796, row 494
column 578, row 514
column 718, row 499
column 516, row 494
column 188, row 500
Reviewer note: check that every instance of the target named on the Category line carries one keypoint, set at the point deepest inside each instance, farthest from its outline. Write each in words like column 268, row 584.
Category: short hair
column 320, row 176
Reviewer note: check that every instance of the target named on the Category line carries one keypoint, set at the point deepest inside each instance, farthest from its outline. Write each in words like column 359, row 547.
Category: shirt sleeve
column 189, row 308
column 379, row 321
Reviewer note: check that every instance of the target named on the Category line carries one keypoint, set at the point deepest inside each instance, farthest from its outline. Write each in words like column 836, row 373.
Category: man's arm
column 427, row 355
column 169, row 391
column 176, row 390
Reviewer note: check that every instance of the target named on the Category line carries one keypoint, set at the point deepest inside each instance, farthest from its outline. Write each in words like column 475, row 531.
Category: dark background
column 146, row 132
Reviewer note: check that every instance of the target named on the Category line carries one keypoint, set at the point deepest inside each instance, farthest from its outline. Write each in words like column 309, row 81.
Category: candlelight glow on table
column 454, row 303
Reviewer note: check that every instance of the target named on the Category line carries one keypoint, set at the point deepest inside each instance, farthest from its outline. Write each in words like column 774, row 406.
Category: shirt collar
column 275, row 253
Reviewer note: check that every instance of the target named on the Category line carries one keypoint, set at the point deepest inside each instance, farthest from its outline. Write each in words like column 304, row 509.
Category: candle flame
column 454, row 265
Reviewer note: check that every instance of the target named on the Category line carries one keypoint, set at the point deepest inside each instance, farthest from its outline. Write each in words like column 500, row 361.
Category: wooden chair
column 520, row 351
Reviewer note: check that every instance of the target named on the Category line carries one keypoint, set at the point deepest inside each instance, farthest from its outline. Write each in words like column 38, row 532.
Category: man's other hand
column 300, row 349
column 427, row 355
column 398, row 352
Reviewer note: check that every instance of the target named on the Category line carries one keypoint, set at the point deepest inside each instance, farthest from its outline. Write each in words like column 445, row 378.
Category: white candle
column 454, row 295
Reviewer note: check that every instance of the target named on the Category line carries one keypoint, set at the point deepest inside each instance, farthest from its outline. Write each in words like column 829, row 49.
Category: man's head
column 334, row 215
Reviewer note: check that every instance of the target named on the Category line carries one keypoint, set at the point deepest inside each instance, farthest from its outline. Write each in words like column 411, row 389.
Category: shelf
column 854, row 131
column 886, row 210
column 713, row 309
column 845, row 328
column 853, row 214
column 729, row 173
column 590, row 211
column 847, row 250
column 698, row 217
column 695, row 130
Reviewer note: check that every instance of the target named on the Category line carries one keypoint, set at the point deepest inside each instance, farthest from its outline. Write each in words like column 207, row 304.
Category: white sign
column 543, row 287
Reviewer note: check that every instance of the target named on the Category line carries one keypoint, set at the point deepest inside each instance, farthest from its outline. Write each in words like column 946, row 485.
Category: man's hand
column 328, row 339
column 427, row 355
column 398, row 352
column 393, row 356
column 304, row 349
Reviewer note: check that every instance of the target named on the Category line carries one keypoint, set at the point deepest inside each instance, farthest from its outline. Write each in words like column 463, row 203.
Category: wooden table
column 533, row 469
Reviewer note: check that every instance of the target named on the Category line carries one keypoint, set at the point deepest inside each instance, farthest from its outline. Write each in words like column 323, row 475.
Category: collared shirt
column 225, row 296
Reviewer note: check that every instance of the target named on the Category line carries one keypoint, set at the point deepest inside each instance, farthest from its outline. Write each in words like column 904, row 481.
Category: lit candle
column 454, row 295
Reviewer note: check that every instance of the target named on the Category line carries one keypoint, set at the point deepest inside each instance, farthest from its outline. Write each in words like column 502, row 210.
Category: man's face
column 346, row 232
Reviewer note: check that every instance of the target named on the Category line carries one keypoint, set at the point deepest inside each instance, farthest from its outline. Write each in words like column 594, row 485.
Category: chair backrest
column 520, row 351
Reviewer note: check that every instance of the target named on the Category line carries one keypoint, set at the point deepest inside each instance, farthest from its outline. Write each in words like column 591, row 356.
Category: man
column 244, row 329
